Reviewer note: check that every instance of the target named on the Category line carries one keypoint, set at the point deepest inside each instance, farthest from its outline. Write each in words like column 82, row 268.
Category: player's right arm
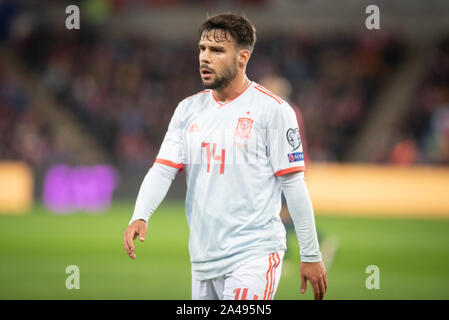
column 153, row 190
column 157, row 182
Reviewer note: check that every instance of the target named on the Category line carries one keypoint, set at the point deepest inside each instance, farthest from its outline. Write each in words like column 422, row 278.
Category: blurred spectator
column 428, row 120
column 404, row 152
column 23, row 134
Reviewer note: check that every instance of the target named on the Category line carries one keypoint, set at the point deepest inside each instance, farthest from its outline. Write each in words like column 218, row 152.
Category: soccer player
column 241, row 148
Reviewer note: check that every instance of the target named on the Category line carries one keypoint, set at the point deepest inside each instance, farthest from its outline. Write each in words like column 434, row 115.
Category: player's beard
column 223, row 81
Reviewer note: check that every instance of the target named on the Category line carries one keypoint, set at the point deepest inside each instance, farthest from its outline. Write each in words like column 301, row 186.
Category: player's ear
column 243, row 57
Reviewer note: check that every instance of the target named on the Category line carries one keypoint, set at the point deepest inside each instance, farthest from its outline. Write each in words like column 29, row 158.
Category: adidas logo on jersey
column 194, row 128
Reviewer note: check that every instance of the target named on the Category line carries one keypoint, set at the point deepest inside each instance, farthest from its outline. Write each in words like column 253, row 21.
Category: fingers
column 303, row 284
column 322, row 288
column 137, row 228
column 319, row 286
column 317, row 275
column 316, row 289
column 324, row 272
column 128, row 242
column 325, row 281
column 142, row 232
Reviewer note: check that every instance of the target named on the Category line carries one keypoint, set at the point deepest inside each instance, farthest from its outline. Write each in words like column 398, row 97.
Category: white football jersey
column 232, row 153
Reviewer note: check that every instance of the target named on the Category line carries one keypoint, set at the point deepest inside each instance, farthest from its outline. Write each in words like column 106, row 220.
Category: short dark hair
column 238, row 26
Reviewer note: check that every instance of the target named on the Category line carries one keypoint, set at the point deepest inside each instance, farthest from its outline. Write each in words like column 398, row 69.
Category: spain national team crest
column 243, row 129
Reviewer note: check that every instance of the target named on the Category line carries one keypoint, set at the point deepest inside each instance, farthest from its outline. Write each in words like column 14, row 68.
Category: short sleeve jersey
column 232, row 154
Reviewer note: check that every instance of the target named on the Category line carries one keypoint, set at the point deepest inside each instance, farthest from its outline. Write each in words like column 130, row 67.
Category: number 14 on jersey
column 214, row 156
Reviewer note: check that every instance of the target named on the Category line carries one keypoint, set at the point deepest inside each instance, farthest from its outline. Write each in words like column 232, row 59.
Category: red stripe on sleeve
column 169, row 163
column 290, row 170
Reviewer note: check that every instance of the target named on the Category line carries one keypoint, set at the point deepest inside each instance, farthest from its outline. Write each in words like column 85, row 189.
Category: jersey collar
column 223, row 104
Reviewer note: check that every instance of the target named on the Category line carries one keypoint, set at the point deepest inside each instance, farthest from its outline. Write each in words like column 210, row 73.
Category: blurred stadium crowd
column 424, row 134
column 23, row 133
column 124, row 91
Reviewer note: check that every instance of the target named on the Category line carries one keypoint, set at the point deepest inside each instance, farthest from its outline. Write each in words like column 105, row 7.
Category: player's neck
column 233, row 90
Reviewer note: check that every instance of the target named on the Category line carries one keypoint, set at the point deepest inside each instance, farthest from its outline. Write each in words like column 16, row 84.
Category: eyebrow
column 219, row 47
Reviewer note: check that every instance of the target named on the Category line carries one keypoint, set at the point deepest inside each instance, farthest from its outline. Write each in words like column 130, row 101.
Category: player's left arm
column 286, row 155
column 312, row 268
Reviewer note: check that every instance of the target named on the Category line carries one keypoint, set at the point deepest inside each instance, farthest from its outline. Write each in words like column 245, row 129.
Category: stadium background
column 83, row 112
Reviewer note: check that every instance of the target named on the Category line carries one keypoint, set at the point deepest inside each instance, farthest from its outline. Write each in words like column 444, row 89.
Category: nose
column 204, row 56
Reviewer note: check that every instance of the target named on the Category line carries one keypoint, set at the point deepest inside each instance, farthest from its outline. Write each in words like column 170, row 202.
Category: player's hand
column 315, row 272
column 137, row 228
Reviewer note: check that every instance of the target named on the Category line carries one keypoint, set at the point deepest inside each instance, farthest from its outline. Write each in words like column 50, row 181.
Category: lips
column 206, row 72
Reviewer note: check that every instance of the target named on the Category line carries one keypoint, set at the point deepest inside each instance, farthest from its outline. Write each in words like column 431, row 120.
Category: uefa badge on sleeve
column 243, row 129
column 295, row 157
column 293, row 138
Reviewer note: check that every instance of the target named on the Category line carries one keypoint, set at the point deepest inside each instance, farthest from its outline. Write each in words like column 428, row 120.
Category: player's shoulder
column 268, row 99
column 201, row 95
column 265, row 96
column 193, row 102
column 271, row 102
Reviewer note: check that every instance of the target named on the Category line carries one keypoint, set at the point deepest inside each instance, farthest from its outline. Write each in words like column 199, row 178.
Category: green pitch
column 35, row 249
